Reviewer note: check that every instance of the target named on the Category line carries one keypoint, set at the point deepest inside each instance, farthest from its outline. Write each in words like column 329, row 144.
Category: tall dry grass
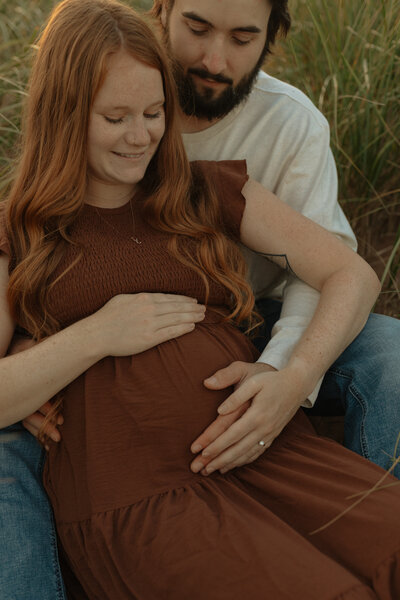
column 346, row 57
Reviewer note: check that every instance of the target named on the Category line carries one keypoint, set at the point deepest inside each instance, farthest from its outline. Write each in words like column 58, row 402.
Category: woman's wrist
column 89, row 339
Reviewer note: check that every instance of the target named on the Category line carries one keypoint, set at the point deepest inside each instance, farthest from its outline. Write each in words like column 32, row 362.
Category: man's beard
column 204, row 105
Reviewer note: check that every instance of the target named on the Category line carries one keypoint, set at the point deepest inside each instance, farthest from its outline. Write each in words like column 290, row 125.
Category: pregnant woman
column 120, row 259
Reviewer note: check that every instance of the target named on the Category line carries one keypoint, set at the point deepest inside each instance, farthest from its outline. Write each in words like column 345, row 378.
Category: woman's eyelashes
column 110, row 120
column 155, row 115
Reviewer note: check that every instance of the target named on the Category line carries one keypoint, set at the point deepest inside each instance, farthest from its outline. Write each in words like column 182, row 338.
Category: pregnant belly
column 129, row 422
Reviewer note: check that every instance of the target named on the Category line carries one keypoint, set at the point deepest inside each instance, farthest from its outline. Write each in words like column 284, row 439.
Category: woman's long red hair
column 49, row 187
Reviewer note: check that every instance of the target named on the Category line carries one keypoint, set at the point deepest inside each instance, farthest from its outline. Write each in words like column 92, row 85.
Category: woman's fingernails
column 196, row 448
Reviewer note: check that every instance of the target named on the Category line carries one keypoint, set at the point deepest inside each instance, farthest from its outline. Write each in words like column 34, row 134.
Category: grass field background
column 344, row 55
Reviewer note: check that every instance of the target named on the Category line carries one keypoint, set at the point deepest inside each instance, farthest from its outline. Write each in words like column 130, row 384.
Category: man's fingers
column 226, row 377
column 34, row 423
column 217, row 428
column 243, row 460
column 45, row 408
column 216, row 451
column 240, row 453
column 31, row 428
column 243, row 393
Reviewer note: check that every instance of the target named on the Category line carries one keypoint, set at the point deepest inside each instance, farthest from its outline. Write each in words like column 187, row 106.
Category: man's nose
column 214, row 57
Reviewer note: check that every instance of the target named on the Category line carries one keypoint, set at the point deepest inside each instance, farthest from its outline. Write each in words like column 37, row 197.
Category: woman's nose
column 137, row 134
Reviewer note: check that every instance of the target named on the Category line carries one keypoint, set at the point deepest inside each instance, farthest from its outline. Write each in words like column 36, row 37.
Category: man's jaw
column 212, row 100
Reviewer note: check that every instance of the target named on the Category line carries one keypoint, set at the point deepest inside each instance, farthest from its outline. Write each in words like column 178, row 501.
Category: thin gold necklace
column 132, row 237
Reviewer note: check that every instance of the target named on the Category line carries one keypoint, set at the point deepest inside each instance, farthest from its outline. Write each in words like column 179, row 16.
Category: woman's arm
column 127, row 324
column 265, row 400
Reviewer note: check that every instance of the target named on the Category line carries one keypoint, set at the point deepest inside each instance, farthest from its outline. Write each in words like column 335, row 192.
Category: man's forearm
column 337, row 320
column 298, row 307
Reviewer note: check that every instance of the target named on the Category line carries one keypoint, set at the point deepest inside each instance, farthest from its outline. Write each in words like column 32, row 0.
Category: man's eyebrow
column 194, row 17
column 248, row 29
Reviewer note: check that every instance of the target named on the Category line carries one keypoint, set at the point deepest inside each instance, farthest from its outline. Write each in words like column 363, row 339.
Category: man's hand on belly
column 263, row 402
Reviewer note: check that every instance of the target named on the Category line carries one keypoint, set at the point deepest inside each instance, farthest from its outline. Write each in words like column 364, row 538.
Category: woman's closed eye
column 155, row 115
column 114, row 121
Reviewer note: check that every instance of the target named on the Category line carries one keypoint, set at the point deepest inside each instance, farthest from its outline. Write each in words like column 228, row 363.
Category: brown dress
column 134, row 521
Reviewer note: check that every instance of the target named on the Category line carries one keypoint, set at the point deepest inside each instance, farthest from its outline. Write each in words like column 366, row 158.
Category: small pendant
column 135, row 240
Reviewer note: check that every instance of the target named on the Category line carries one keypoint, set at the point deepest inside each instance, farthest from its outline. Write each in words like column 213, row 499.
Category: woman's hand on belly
column 263, row 402
column 132, row 323
column 128, row 324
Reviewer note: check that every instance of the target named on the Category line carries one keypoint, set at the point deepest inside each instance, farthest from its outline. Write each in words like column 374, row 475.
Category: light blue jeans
column 364, row 383
column 29, row 567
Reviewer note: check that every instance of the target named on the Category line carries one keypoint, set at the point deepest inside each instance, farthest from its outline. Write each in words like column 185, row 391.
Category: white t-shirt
column 285, row 141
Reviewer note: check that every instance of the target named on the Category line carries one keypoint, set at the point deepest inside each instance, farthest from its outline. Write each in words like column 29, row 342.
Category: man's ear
column 164, row 11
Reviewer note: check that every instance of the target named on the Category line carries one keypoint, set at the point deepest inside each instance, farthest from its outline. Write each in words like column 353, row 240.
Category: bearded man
column 229, row 109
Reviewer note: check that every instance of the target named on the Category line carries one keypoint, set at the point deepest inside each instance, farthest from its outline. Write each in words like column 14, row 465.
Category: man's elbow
column 375, row 284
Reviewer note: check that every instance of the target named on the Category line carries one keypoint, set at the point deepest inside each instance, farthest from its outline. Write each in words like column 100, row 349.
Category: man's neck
column 193, row 124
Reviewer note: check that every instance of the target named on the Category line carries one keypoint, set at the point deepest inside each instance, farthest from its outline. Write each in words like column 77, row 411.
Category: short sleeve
column 229, row 177
column 4, row 243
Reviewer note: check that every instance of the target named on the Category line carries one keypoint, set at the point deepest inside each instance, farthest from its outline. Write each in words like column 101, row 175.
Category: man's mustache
column 206, row 75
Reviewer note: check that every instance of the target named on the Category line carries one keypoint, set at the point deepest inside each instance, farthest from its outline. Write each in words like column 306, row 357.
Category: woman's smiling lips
column 130, row 156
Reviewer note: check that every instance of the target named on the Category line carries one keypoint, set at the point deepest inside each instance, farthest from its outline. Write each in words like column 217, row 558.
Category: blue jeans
column 29, row 567
column 364, row 384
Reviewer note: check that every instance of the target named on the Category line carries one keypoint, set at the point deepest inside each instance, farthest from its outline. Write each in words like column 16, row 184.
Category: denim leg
column 366, row 379
column 28, row 550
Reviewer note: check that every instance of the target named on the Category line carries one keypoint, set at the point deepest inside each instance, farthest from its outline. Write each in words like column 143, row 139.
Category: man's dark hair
column 279, row 20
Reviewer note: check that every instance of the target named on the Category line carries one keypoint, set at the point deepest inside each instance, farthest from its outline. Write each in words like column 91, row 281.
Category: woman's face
column 126, row 124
